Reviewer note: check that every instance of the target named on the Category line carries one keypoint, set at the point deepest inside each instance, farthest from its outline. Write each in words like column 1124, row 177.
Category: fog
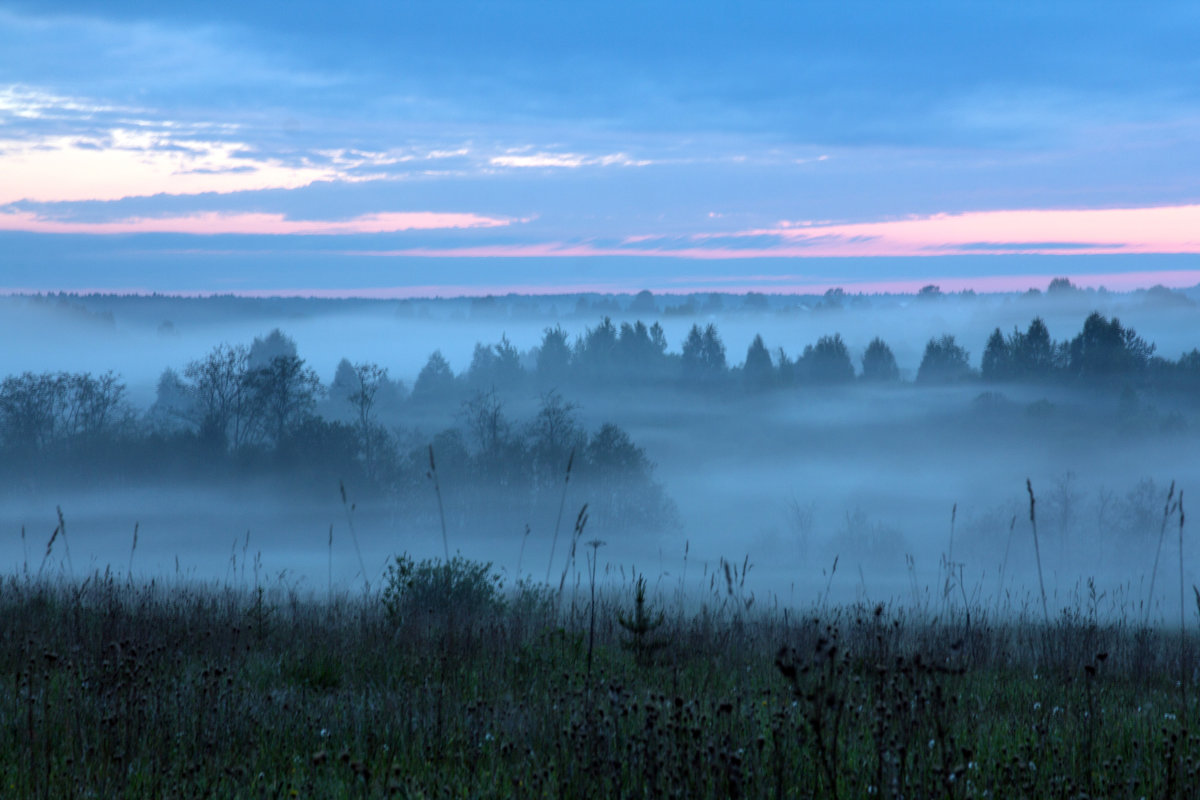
column 917, row 492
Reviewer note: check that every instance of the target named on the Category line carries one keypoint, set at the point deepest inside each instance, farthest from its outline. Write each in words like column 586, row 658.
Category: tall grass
column 444, row 681
column 464, row 687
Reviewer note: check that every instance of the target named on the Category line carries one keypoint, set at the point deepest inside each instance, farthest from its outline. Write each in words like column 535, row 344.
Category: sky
column 403, row 148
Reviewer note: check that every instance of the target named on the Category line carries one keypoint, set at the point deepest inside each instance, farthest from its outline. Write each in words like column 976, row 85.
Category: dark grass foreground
column 445, row 686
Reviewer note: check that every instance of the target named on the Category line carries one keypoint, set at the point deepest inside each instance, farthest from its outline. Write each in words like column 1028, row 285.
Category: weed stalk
column 437, row 488
column 353, row 535
column 1037, row 551
column 1162, row 534
column 558, row 522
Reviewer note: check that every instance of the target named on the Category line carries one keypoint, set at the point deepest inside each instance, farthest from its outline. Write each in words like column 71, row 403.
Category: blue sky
column 452, row 147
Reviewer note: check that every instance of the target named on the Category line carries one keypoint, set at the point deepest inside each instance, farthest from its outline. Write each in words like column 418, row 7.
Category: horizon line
column 1112, row 282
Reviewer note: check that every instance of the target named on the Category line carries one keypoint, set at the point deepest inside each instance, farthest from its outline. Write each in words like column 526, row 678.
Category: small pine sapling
column 641, row 626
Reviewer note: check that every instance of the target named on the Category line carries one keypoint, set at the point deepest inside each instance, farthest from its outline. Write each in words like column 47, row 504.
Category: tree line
column 260, row 409
column 1103, row 351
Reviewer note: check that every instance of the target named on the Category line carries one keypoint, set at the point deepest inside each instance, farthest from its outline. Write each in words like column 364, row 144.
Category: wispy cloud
column 1162, row 230
column 25, row 102
column 128, row 162
column 565, row 160
column 216, row 223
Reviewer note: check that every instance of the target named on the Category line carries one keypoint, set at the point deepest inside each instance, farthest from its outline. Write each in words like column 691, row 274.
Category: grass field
column 447, row 684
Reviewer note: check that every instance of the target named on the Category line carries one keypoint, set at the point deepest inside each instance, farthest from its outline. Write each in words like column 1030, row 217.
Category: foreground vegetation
column 445, row 683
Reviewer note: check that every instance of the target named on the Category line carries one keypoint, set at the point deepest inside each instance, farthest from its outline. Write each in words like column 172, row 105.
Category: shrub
column 435, row 587
column 530, row 600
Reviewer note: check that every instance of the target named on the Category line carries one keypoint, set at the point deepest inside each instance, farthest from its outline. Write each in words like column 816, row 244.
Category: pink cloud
column 1171, row 229
column 211, row 223
column 1165, row 229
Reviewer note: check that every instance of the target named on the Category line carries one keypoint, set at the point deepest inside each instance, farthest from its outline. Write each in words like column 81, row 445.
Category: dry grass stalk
column 558, row 522
column 1168, row 509
column 437, row 488
column 1037, row 550
column 349, row 508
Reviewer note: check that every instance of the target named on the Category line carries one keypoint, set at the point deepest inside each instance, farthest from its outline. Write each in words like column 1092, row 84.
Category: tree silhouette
column 755, row 301
column 658, row 337
column 1034, row 353
column 833, row 299
column 618, row 479
column 643, row 303
column 435, row 381
column 703, row 354
column 1020, row 356
column 94, row 405
column 488, row 428
column 1104, row 350
column 596, row 352
column 714, row 348
column 997, row 362
column 553, row 434
column 31, row 407
column 344, row 385
column 828, row 361
column 366, row 380
column 174, row 407
column 224, row 401
column 879, row 363
column 284, row 393
column 498, row 453
column 758, row 373
column 497, row 365
column 553, row 356
column 640, row 353
column 264, row 349
column 944, row 362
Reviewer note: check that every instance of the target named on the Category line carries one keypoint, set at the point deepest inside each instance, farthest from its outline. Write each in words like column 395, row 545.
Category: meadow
column 443, row 681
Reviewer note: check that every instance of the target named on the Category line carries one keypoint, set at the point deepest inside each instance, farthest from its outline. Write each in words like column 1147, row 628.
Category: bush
column 531, row 600
column 435, row 587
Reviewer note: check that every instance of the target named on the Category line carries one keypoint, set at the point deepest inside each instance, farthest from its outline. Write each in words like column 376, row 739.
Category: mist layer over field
column 916, row 491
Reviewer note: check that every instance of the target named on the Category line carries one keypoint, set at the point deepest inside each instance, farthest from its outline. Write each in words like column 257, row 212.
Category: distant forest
column 258, row 410
column 170, row 312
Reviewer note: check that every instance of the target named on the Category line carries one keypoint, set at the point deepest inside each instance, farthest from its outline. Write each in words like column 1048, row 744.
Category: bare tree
column 368, row 379
column 283, row 394
column 94, row 405
column 554, row 433
column 483, row 415
column 31, row 408
column 224, row 406
column 39, row 409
